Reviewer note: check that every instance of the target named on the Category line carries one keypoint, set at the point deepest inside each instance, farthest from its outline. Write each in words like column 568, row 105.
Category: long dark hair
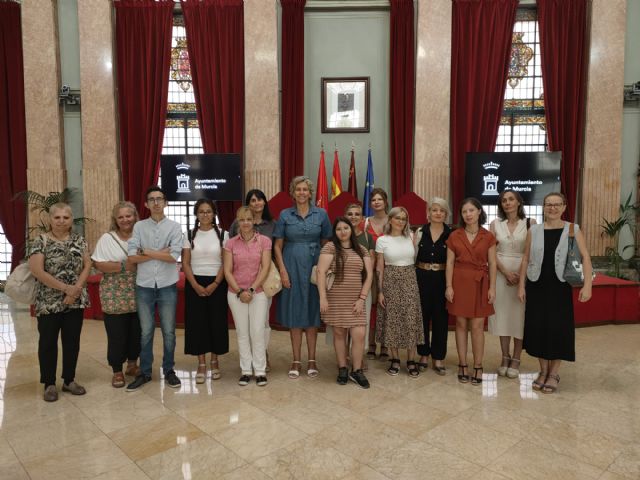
column 501, row 213
column 259, row 194
column 341, row 256
column 196, row 227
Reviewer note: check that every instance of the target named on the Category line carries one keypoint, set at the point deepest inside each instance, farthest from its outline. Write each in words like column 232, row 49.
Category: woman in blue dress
column 299, row 234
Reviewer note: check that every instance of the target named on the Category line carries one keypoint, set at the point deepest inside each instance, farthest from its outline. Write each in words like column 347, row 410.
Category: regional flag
column 353, row 182
column 368, row 187
column 322, row 193
column 336, row 178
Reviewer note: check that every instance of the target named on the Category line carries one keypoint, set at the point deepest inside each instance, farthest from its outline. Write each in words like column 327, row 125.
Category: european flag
column 368, row 187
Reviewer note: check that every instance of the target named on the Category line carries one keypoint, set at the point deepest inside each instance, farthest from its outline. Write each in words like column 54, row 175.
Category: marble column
column 262, row 118
column 433, row 89
column 45, row 165
column 603, row 138
column 100, row 165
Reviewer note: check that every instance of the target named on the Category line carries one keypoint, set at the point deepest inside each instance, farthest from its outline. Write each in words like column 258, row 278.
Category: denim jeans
column 165, row 299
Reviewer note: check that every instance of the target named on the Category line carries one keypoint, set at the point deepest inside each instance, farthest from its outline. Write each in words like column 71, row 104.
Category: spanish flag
column 336, row 178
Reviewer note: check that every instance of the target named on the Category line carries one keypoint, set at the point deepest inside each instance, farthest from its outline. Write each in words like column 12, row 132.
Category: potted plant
column 612, row 230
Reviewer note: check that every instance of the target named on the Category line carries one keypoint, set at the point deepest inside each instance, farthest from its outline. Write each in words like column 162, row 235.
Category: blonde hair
column 242, row 211
column 442, row 203
column 392, row 213
column 300, row 179
column 116, row 210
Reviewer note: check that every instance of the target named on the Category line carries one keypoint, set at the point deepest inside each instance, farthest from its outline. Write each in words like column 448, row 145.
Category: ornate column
column 603, row 139
column 433, row 88
column 101, row 168
column 262, row 117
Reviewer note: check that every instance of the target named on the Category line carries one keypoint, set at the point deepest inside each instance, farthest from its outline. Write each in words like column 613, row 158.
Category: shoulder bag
column 573, row 273
column 117, row 290
column 21, row 284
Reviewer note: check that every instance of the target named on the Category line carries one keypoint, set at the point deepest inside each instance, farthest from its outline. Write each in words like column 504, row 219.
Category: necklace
column 64, row 238
column 247, row 240
column 470, row 232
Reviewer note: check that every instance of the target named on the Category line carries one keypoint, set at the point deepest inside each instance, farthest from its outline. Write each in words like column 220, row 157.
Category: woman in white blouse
column 399, row 312
column 205, row 292
column 117, row 293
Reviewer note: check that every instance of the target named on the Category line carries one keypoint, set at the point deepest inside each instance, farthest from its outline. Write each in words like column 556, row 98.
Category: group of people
column 331, row 273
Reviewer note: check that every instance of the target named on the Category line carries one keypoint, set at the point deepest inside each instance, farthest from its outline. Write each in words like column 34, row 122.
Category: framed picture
column 345, row 104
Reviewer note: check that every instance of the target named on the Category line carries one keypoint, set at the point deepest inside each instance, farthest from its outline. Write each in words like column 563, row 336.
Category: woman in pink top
column 246, row 266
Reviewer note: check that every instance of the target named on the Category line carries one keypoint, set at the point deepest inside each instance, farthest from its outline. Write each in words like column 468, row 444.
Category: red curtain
column 402, row 95
column 563, row 46
column 13, row 144
column 215, row 38
column 480, row 51
column 292, row 123
column 143, row 41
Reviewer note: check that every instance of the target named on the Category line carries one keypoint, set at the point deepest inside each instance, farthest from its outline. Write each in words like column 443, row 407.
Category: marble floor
column 401, row 428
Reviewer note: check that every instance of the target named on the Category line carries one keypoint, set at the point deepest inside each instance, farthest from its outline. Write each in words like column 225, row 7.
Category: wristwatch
column 140, row 251
column 252, row 290
column 239, row 293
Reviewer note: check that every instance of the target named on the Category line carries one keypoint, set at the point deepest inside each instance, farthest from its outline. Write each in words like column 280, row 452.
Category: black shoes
column 172, row 379
column 261, row 381
column 343, row 376
column 138, row 382
column 244, row 380
column 358, row 377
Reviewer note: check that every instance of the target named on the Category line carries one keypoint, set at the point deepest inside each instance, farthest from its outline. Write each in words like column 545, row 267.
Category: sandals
column 412, row 369
column 294, row 371
column 118, row 380
column 502, row 369
column 463, row 377
column 538, row 383
column 422, row 366
column 477, row 380
column 312, row 372
column 394, row 368
column 513, row 372
column 201, row 373
column 215, row 372
column 548, row 389
column 439, row 369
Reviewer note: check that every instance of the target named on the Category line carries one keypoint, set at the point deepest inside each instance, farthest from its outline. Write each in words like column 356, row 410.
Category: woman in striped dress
column 343, row 307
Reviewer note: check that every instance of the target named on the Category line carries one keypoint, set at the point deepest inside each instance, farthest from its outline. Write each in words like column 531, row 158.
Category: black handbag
column 573, row 273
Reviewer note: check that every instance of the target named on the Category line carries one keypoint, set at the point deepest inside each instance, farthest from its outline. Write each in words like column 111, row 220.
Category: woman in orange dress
column 471, row 284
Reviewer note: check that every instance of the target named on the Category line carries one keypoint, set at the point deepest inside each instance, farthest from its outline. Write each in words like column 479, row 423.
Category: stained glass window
column 5, row 255
column 181, row 133
column 523, row 124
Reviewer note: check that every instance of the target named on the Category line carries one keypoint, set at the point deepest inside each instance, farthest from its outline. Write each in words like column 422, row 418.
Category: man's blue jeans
column 147, row 300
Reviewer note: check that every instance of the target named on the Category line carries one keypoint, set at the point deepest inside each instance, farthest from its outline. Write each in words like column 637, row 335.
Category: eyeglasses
column 155, row 200
column 554, row 205
column 205, row 213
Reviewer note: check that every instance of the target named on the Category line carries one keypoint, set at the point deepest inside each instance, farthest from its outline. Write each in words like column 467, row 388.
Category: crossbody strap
column 119, row 244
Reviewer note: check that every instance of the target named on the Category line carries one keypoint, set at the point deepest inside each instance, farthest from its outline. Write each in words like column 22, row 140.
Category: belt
column 431, row 266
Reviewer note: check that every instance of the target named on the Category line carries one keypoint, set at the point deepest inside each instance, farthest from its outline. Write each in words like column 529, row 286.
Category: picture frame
column 345, row 104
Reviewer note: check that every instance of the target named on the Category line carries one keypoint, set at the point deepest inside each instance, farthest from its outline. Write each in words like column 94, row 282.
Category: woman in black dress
column 549, row 331
column 431, row 262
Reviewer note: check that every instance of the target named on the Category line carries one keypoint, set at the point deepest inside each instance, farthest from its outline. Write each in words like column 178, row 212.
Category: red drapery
column 143, row 41
column 13, row 144
column 402, row 95
column 292, row 123
column 563, row 46
column 480, row 50
column 215, row 38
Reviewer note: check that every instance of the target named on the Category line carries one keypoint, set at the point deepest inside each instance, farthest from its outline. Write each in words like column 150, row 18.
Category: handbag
column 21, row 284
column 573, row 273
column 273, row 283
column 118, row 291
column 329, row 280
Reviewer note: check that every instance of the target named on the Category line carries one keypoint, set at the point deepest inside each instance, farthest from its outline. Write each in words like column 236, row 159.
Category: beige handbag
column 330, row 277
column 273, row 284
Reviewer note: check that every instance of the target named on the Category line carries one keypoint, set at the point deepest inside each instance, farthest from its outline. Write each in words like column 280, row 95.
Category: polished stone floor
column 402, row 428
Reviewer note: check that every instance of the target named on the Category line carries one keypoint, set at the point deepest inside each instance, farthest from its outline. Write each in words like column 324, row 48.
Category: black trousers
column 123, row 338
column 68, row 325
column 432, row 285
